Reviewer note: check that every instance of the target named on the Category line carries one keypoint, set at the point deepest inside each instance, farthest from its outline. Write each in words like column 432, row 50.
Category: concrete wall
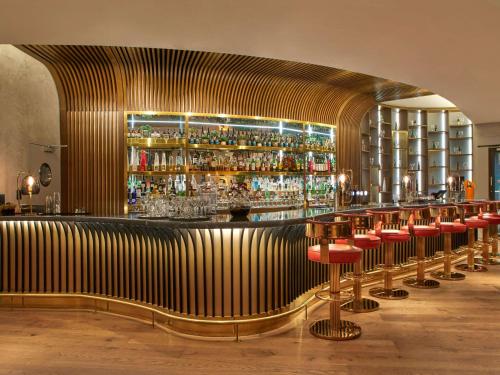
column 484, row 134
column 29, row 112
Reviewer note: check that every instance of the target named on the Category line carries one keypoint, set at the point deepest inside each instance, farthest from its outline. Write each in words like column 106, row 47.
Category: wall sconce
column 26, row 185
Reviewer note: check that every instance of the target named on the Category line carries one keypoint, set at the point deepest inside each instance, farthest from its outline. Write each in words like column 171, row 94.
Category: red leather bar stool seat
column 363, row 241
column 424, row 230
column 474, row 223
column 492, row 219
column 452, row 227
column 337, row 253
column 391, row 235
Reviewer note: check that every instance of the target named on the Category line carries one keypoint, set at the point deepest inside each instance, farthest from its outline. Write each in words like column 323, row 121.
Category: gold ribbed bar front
column 222, row 273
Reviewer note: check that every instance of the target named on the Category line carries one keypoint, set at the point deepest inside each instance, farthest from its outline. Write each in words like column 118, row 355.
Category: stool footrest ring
column 452, row 276
column 325, row 295
column 490, row 262
column 361, row 306
column 421, row 284
column 474, row 268
column 395, row 293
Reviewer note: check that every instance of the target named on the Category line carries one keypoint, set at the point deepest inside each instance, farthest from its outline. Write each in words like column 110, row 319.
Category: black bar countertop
column 253, row 220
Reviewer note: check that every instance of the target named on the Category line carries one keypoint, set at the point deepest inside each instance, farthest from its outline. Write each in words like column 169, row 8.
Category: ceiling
column 448, row 47
column 427, row 101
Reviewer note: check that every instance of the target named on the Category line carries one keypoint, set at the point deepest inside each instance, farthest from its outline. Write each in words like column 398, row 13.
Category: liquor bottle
column 143, row 163
column 163, row 162
column 156, row 166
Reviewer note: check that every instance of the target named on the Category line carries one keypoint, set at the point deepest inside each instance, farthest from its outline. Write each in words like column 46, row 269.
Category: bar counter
column 200, row 277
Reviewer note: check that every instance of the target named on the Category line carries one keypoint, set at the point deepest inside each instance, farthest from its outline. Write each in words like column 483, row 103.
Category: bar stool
column 334, row 255
column 466, row 212
column 360, row 221
column 447, row 229
column 420, row 232
column 493, row 207
column 488, row 213
column 388, row 237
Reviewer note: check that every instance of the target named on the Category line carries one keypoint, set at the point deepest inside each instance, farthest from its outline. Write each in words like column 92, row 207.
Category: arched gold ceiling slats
column 97, row 84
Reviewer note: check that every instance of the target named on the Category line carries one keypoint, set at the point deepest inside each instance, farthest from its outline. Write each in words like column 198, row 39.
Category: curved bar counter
column 185, row 275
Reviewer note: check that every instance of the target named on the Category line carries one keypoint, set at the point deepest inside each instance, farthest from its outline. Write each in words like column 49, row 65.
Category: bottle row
column 147, row 131
column 246, row 161
column 262, row 191
column 223, row 136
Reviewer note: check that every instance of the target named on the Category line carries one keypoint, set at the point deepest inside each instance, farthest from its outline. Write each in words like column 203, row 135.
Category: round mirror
column 45, row 174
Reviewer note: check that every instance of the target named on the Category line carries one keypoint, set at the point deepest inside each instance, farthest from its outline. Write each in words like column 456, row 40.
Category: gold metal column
column 447, row 274
column 334, row 328
column 420, row 281
column 471, row 266
column 359, row 304
column 485, row 259
column 387, row 291
column 494, row 241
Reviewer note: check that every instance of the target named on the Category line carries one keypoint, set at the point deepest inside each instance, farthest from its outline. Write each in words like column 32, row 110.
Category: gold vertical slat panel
column 237, row 282
column 239, row 271
column 226, row 255
column 40, row 256
column 54, row 250
column 96, row 84
column 213, row 238
column 253, row 270
column 63, row 258
column 5, row 256
column 71, row 254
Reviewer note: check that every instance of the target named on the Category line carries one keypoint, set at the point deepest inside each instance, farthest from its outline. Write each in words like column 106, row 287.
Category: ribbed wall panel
column 97, row 84
column 195, row 272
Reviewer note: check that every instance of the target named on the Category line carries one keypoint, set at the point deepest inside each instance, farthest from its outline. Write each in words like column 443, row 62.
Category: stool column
column 358, row 274
column 389, row 264
column 447, row 274
column 420, row 259
column 494, row 240
column 420, row 281
column 447, row 255
column 470, row 249
column 485, row 259
column 486, row 245
column 335, row 301
column 388, row 291
column 470, row 266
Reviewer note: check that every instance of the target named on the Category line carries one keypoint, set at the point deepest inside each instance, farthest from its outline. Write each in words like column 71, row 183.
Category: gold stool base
column 361, row 306
column 347, row 330
column 453, row 276
column 394, row 293
column 474, row 268
column 421, row 284
column 490, row 262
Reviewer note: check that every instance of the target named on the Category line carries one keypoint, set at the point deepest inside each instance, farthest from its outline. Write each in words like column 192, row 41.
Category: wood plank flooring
column 451, row 330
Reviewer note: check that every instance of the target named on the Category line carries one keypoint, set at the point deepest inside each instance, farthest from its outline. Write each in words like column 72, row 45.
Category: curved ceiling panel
column 97, row 84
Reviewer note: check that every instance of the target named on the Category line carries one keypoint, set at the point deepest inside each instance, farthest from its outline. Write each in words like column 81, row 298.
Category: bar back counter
column 206, row 278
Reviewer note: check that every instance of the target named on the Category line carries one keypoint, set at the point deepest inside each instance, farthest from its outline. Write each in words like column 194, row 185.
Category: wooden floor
column 451, row 330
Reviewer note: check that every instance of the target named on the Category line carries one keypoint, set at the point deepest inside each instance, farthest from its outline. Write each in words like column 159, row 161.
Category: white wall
column 484, row 134
column 29, row 112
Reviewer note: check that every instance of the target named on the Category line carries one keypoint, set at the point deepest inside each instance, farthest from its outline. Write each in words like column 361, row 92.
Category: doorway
column 494, row 163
